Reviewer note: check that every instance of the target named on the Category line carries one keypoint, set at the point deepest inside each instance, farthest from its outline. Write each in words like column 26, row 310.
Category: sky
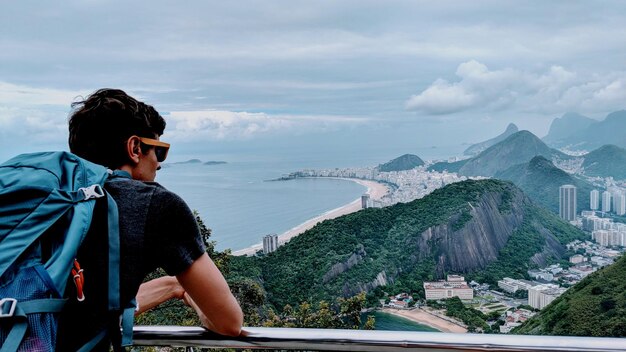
column 248, row 79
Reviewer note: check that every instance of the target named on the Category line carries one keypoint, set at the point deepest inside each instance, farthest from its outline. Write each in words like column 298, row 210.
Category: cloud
column 553, row 91
column 22, row 95
column 33, row 118
column 227, row 125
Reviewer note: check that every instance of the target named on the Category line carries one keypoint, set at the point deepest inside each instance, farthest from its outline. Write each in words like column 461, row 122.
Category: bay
column 240, row 206
column 390, row 322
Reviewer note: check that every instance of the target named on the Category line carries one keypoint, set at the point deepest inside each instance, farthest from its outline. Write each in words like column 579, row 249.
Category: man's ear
column 133, row 149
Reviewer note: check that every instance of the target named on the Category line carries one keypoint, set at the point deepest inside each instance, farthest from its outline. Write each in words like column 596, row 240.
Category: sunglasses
column 160, row 148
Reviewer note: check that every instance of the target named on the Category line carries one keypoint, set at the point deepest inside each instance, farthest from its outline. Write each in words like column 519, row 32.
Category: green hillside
column 404, row 162
column 446, row 166
column 540, row 180
column 606, row 161
column 596, row 306
column 471, row 227
column 518, row 148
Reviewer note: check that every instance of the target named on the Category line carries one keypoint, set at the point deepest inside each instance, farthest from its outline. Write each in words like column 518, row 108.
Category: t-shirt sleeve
column 176, row 242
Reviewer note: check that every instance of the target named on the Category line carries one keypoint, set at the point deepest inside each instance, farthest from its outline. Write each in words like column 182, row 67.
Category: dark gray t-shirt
column 157, row 230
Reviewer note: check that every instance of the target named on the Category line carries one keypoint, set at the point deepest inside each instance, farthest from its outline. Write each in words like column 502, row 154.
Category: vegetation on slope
column 596, row 306
column 446, row 166
column 342, row 313
column 540, row 180
column 378, row 247
column 401, row 163
column 606, row 161
column 518, row 148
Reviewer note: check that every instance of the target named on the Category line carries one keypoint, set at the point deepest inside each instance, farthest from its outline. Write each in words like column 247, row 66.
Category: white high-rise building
column 594, row 200
column 541, row 295
column 606, row 201
column 567, row 202
column 270, row 243
column 619, row 203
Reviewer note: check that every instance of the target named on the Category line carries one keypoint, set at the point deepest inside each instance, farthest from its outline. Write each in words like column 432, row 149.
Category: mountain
column 446, row 166
column 477, row 148
column 606, row 161
column 404, row 162
column 596, row 306
column 566, row 126
column 485, row 229
column 518, row 148
column 540, row 180
column 611, row 130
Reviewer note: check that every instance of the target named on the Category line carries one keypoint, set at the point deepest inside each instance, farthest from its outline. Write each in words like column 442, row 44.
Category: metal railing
column 364, row 340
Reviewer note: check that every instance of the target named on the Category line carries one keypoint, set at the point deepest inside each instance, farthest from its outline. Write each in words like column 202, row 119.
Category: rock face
column 381, row 280
column 478, row 242
column 472, row 247
column 339, row 268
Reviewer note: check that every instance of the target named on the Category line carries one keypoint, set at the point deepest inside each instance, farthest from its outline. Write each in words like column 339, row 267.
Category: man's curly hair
column 100, row 125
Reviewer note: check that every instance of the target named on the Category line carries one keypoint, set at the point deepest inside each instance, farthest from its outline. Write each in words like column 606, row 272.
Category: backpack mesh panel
column 41, row 334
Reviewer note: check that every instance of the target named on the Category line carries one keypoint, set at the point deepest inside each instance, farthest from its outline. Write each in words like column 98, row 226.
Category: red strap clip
column 79, row 280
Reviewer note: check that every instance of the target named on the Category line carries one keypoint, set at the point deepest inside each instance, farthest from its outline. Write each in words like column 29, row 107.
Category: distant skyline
column 281, row 77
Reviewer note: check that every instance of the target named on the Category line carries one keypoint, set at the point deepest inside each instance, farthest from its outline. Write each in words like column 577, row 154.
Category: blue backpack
column 47, row 203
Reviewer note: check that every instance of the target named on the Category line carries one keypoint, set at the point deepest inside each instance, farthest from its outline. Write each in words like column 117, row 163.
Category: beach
column 425, row 317
column 375, row 189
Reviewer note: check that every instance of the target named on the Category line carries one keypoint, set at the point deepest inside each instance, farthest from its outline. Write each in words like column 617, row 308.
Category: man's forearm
column 157, row 291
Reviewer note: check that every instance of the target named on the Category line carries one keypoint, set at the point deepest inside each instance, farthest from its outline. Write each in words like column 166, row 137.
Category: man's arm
column 211, row 297
column 157, row 291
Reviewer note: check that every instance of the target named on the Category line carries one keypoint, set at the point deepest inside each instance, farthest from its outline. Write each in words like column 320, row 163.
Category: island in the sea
column 215, row 162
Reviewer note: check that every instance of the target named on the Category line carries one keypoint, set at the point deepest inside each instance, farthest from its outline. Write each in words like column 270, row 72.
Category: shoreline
column 376, row 190
column 424, row 317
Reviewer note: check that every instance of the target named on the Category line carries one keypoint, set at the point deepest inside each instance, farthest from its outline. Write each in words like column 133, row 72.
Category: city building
column 365, row 201
column 541, row 295
column 606, row 201
column 567, row 202
column 511, row 285
column 447, row 289
column 619, row 203
column 577, row 258
column 540, row 275
column 594, row 200
column 270, row 243
column 456, row 278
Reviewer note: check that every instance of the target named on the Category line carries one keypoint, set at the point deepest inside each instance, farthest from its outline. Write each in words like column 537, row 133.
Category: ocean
column 240, row 206
column 238, row 203
column 390, row 322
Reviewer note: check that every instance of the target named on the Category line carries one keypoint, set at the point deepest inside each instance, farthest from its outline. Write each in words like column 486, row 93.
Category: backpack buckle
column 93, row 191
column 8, row 311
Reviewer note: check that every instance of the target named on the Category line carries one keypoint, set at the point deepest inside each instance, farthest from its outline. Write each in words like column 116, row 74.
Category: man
column 157, row 229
